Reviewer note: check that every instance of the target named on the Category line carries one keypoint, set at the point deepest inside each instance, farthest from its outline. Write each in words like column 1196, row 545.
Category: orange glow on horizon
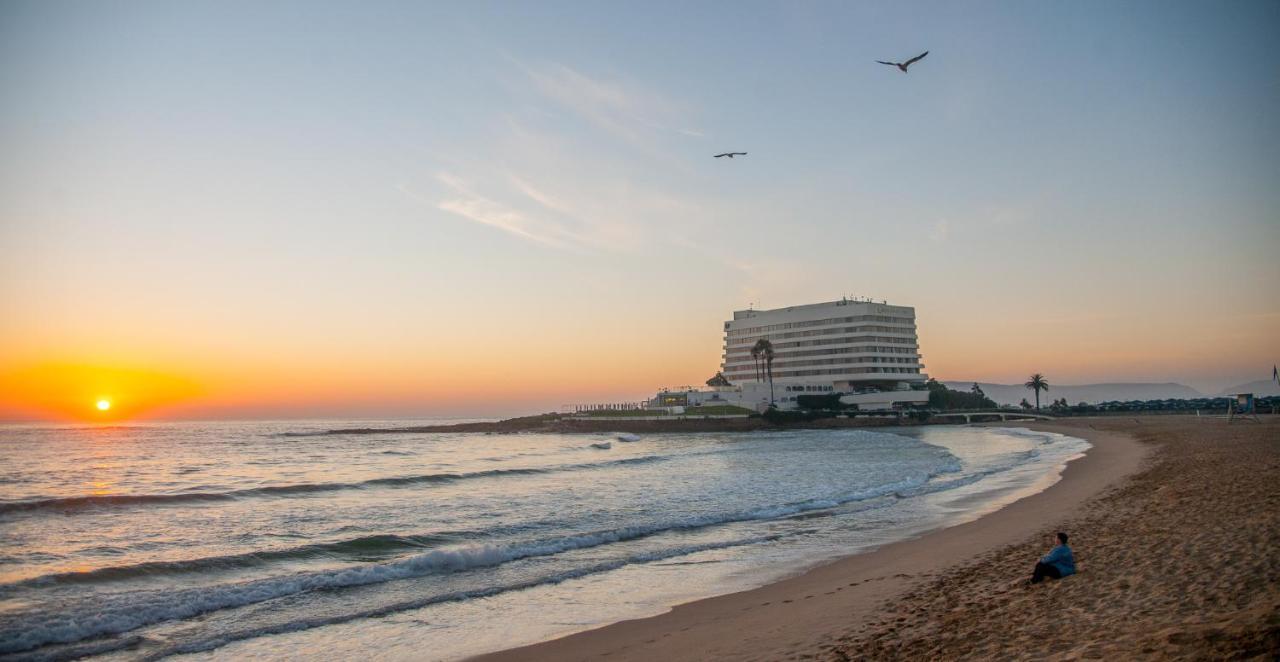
column 89, row 393
column 554, row 363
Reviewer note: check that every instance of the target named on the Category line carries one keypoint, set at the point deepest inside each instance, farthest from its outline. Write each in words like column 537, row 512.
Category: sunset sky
column 392, row 209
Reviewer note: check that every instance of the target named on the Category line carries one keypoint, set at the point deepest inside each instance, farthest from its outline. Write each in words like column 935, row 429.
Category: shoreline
column 810, row 610
column 553, row 424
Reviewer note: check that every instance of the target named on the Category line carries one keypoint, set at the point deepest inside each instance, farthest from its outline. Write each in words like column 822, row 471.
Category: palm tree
column 1037, row 383
column 763, row 352
column 767, row 351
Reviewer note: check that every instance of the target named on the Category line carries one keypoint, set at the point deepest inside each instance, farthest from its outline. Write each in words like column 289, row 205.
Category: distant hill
column 1012, row 394
column 1261, row 388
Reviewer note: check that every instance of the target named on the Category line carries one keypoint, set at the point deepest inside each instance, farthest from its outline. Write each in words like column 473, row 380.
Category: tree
column 755, row 357
column 767, row 351
column 1024, row 404
column 945, row 399
column 823, row 402
column 977, row 390
column 1037, row 383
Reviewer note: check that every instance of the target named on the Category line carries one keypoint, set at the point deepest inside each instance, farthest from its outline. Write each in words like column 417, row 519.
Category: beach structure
column 1242, row 407
column 865, row 351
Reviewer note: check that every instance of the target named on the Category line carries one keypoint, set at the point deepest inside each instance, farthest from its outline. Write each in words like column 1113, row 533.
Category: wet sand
column 1174, row 521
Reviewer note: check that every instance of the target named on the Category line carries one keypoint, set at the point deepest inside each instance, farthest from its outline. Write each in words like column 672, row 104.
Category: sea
column 280, row 539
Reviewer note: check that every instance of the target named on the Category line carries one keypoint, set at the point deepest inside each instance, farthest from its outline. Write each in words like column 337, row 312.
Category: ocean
column 273, row 540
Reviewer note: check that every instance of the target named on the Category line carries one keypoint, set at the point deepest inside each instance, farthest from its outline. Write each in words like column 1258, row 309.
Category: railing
column 606, row 406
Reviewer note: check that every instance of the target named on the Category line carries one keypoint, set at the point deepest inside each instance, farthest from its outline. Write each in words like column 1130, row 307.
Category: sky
column 260, row 209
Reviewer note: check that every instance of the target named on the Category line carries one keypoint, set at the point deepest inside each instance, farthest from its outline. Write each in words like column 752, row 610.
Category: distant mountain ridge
column 1012, row 394
column 1261, row 388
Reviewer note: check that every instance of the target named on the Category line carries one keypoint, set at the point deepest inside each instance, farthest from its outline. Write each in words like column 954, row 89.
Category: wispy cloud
column 539, row 196
column 623, row 109
column 603, row 181
column 460, row 199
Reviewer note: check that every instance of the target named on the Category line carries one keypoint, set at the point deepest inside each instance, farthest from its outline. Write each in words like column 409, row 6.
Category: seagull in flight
column 730, row 154
column 903, row 65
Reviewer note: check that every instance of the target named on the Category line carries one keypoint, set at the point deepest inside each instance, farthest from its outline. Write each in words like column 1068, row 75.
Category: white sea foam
column 304, row 624
column 933, row 486
column 1044, row 437
column 128, row 611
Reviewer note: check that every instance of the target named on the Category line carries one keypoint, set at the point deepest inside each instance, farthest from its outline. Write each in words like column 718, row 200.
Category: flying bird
column 903, row 65
column 731, row 154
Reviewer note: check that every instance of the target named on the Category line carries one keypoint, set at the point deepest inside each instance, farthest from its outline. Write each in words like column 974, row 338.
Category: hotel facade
column 866, row 351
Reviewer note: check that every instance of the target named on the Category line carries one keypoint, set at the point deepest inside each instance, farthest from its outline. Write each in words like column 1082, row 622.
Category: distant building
column 868, row 352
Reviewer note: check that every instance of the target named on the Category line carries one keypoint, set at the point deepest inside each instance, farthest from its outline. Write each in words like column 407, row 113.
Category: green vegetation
column 536, row 419
column 945, row 399
column 826, row 401
column 717, row 410
column 1212, row 406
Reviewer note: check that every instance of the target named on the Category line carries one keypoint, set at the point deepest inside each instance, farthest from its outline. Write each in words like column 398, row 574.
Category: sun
column 104, row 404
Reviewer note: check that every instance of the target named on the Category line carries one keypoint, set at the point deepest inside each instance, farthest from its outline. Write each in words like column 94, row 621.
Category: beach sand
column 1175, row 522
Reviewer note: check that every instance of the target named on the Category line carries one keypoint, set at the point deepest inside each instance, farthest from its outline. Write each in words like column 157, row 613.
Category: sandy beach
column 1173, row 521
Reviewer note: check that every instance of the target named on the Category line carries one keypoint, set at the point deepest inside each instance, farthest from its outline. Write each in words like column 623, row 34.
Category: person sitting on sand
column 1058, row 563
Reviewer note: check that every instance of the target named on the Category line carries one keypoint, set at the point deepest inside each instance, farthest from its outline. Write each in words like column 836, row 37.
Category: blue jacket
column 1060, row 557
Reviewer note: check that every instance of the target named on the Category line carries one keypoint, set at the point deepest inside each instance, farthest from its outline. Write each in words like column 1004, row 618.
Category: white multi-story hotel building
column 866, row 351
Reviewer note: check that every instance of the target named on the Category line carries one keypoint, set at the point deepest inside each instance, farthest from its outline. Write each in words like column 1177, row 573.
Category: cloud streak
column 461, row 200
column 626, row 111
column 584, row 185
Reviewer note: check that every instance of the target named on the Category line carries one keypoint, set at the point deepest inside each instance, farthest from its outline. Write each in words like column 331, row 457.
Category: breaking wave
column 125, row 500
